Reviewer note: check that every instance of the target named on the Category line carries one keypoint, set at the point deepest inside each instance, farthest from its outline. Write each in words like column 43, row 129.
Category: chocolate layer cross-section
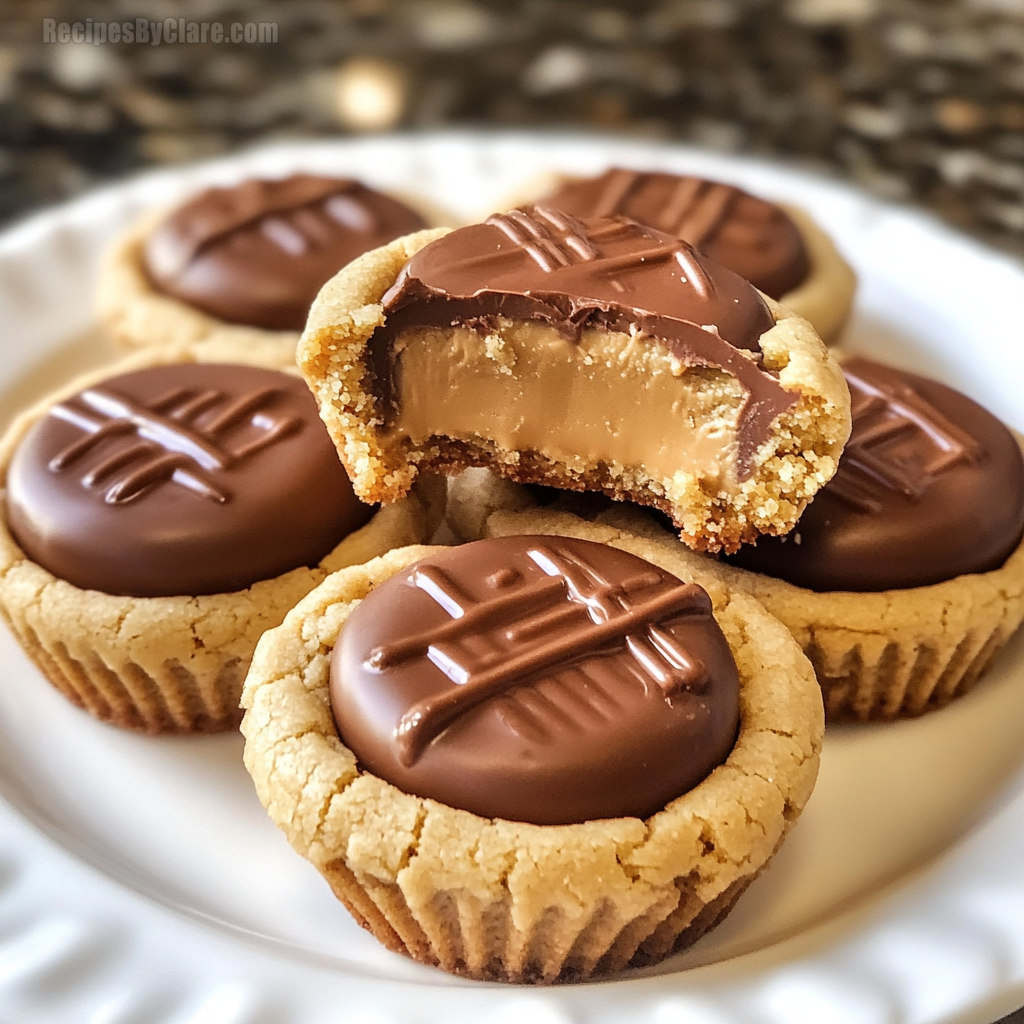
column 180, row 479
column 750, row 236
column 929, row 487
column 258, row 253
column 538, row 679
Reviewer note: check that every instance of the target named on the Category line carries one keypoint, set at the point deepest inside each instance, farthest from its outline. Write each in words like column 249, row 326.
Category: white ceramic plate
column 141, row 883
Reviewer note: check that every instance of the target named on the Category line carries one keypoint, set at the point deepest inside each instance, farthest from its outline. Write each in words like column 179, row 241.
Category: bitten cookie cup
column 745, row 233
column 391, row 424
column 167, row 664
column 285, row 228
column 501, row 900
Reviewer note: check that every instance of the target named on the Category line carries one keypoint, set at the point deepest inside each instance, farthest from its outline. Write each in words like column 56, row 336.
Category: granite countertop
column 916, row 100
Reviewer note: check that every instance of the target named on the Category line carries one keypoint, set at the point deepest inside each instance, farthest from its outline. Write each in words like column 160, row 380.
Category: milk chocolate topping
column 748, row 235
column 929, row 487
column 538, row 679
column 180, row 480
column 259, row 252
column 541, row 264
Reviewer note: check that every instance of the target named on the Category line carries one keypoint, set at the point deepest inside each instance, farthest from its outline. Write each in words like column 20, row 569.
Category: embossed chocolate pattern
column 180, row 480
column 748, row 235
column 537, row 679
column 541, row 264
column 258, row 253
column 930, row 486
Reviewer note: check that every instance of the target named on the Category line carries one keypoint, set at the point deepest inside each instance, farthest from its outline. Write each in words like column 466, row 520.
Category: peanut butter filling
column 595, row 342
column 612, row 398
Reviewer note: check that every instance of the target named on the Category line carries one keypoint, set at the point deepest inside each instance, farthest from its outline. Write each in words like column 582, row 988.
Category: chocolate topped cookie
column 187, row 478
column 537, row 679
column 752, row 237
column 555, row 675
column 592, row 354
column 259, row 252
column 929, row 487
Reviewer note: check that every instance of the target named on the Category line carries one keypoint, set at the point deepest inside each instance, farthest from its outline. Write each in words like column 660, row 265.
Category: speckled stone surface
column 917, row 100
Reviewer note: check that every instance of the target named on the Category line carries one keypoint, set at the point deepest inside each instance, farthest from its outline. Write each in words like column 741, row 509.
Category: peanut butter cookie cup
column 905, row 576
column 159, row 516
column 536, row 758
column 589, row 355
column 237, row 268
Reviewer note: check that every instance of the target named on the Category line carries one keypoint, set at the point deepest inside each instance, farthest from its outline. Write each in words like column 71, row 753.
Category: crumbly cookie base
column 888, row 655
column 505, row 901
column 168, row 664
column 800, row 457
